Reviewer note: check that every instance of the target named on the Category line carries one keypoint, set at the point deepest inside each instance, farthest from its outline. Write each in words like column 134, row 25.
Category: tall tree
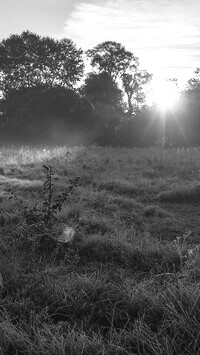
column 112, row 57
column 28, row 60
column 133, row 83
column 122, row 67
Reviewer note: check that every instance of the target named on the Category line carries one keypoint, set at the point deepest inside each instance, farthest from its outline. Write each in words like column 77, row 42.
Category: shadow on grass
column 187, row 195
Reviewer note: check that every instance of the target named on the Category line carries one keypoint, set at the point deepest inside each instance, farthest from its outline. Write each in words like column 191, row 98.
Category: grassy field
column 128, row 281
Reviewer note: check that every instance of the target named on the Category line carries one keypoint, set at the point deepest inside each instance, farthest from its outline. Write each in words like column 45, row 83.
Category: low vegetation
column 99, row 251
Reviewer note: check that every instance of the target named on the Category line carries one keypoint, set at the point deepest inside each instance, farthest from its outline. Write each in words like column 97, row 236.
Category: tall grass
column 124, row 284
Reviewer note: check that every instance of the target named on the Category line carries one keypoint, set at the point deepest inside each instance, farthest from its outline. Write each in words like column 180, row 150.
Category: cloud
column 162, row 33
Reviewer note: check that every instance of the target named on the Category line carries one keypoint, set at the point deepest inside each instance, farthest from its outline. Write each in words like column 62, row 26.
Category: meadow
column 128, row 280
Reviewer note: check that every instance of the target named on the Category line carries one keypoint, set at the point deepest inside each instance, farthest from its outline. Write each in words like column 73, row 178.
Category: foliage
column 29, row 60
column 101, row 88
column 106, row 100
column 142, row 129
column 112, row 57
column 51, row 204
column 133, row 87
column 38, row 76
column 193, row 85
column 38, row 113
column 184, row 123
column 121, row 66
column 41, row 101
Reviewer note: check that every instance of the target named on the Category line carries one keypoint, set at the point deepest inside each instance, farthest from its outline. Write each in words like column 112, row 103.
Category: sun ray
column 163, row 94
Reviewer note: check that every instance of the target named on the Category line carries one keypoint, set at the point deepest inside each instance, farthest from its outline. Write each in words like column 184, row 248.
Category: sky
column 163, row 34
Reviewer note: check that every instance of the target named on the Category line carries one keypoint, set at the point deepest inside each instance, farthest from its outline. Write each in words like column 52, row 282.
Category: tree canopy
column 133, row 87
column 122, row 67
column 112, row 57
column 45, row 93
column 29, row 60
column 102, row 88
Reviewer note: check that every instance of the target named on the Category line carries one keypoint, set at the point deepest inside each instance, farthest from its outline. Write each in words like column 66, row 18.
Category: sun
column 163, row 94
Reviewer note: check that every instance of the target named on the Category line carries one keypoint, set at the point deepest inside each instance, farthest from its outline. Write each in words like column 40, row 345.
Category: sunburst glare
column 163, row 94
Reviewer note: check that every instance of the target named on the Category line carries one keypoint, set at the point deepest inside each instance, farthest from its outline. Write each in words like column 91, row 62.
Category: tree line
column 47, row 96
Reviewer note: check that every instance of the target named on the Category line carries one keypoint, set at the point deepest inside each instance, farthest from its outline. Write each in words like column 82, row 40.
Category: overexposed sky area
column 164, row 34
